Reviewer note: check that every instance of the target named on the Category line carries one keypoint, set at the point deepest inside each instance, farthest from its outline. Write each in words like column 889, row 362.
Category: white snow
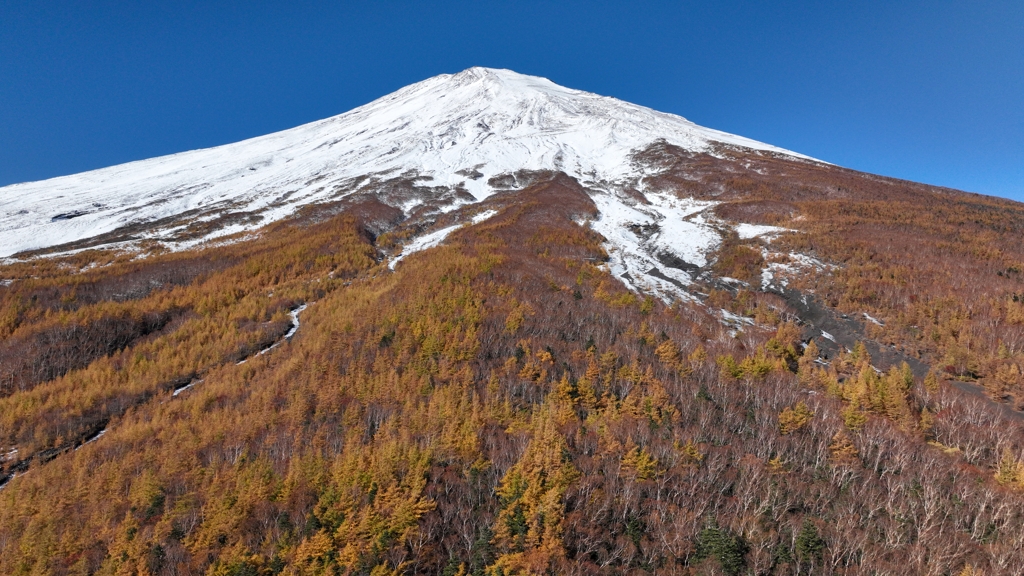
column 828, row 336
column 185, row 388
column 295, row 326
column 434, row 238
column 291, row 332
column 736, row 319
column 735, row 322
column 805, row 260
column 483, row 216
column 93, row 439
column 422, row 243
column 778, row 273
column 493, row 121
column 637, row 234
column 748, row 231
column 775, row 274
column 874, row 320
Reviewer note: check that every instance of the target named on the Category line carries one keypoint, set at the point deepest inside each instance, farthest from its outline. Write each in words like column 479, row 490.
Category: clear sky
column 931, row 91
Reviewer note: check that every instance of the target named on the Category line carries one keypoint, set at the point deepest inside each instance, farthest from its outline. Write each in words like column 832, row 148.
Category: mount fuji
column 491, row 325
column 461, row 133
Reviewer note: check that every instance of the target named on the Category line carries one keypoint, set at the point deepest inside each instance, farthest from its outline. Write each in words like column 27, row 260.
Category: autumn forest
column 501, row 404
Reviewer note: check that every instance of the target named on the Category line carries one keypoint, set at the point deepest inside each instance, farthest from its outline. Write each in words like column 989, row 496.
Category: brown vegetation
column 501, row 405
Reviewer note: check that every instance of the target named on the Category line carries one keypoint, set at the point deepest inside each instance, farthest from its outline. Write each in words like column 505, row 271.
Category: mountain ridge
column 442, row 128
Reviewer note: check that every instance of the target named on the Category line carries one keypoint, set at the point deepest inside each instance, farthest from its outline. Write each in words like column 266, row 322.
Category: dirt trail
column 832, row 330
column 979, row 392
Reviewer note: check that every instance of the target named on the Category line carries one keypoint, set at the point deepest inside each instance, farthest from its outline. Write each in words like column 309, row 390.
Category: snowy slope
column 480, row 120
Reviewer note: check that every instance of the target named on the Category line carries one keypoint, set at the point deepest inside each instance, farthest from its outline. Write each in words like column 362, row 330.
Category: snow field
column 491, row 121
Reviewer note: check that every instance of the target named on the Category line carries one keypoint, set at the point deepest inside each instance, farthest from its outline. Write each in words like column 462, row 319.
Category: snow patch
column 736, row 319
column 288, row 335
column 295, row 325
column 483, row 216
column 748, row 231
column 808, row 261
column 422, row 243
column 873, row 320
column 778, row 273
column 185, row 388
column 655, row 247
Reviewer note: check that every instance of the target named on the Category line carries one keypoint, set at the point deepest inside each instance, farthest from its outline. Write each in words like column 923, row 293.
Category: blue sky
column 928, row 91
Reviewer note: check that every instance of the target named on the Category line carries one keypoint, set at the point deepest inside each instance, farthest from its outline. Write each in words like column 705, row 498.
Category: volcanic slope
column 455, row 130
column 440, row 143
column 654, row 349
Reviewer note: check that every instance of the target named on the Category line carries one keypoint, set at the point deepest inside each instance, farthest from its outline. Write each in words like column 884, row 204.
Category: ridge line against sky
column 924, row 91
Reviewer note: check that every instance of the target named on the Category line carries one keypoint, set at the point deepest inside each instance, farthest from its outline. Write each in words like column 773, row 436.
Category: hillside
column 454, row 131
column 490, row 325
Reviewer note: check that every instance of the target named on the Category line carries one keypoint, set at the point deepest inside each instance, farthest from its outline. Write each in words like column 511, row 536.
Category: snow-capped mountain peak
column 456, row 130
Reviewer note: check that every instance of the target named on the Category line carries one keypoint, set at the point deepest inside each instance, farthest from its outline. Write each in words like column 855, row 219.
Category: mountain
column 491, row 325
column 457, row 131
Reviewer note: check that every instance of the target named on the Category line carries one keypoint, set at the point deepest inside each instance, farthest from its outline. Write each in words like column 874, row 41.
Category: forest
column 501, row 404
